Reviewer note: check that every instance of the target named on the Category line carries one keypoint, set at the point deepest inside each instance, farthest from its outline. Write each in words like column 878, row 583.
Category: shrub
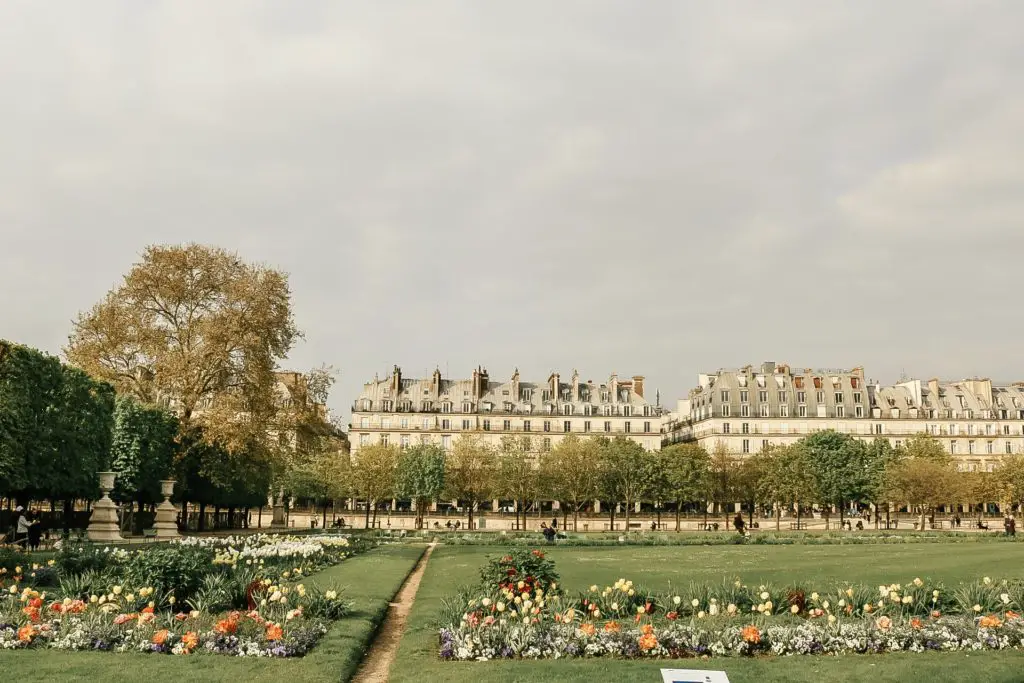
column 519, row 564
column 175, row 569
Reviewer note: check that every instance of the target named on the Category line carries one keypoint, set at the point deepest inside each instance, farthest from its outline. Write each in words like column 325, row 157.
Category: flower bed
column 237, row 596
column 515, row 614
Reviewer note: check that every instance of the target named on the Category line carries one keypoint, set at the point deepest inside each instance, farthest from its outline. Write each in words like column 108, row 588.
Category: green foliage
column 420, row 475
column 628, row 472
column 174, row 569
column 840, row 467
column 531, row 567
column 55, row 426
column 142, row 450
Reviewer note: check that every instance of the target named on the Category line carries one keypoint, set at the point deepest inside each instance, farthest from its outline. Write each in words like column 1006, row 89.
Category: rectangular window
column 801, row 397
column 801, row 411
column 1006, row 429
column 839, row 397
column 821, row 397
column 487, row 425
column 745, row 427
column 856, row 397
column 547, row 425
column 364, row 422
column 546, row 444
column 784, row 410
column 364, row 439
column 858, row 411
column 970, row 430
column 764, row 410
column 446, row 424
column 899, row 443
column 782, row 397
column 426, row 423
column 647, row 427
column 764, row 444
column 404, row 440
column 383, row 439
column 725, row 410
column 746, row 445
column 744, row 396
column 385, row 423
column 970, row 447
column 990, row 447
column 607, row 426
column 840, row 411
column 586, row 426
column 404, row 423
column 446, row 441
column 745, row 410
column 726, row 427
column 566, row 426
column 424, row 439
column 878, row 429
column 952, row 446
column 506, row 425
column 626, row 426
column 762, row 396
column 526, row 425
column 725, row 396
column 1009, row 447
column 465, row 424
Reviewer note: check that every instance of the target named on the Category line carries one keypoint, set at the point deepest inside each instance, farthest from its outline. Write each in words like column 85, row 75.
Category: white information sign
column 693, row 676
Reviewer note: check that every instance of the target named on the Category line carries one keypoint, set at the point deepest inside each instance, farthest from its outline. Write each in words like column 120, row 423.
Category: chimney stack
column 638, row 385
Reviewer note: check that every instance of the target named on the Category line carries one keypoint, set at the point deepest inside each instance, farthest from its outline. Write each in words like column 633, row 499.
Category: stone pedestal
column 278, row 521
column 166, row 522
column 103, row 525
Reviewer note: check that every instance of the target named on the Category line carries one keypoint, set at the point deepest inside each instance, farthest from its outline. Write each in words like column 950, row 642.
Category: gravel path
column 384, row 648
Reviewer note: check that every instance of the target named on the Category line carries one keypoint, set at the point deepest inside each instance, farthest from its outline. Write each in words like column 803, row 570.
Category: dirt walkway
column 384, row 648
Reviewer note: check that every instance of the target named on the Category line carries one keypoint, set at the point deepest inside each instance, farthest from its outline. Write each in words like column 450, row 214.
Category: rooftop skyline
column 658, row 188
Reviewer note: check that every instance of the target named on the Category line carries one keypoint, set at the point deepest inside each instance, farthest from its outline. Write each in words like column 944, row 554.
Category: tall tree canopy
column 570, row 473
column 685, row 471
column 195, row 328
column 470, row 473
column 420, row 476
column 840, row 466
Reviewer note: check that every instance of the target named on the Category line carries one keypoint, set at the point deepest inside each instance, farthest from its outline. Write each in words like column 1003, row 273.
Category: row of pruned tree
column 829, row 470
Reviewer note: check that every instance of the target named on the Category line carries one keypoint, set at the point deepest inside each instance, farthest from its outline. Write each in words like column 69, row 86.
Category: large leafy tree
column 471, row 472
column 55, row 427
column 518, row 473
column 199, row 330
column 373, row 475
column 685, row 470
column 926, row 477
column 628, row 473
column 570, row 473
column 840, row 466
column 1009, row 478
column 723, row 478
column 786, row 479
column 420, row 476
column 142, row 450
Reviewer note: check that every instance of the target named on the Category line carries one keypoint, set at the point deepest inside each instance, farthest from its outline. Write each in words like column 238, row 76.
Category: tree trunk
column 778, row 517
column 202, row 517
column 324, row 524
column 367, row 524
column 628, row 510
column 469, row 515
column 678, row 506
column 259, row 518
column 842, row 509
column 706, row 515
column 575, row 516
column 69, row 510
column 750, row 517
column 611, row 514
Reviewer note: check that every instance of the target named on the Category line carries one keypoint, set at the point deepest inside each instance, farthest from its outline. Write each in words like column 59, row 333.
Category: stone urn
column 103, row 523
column 166, row 522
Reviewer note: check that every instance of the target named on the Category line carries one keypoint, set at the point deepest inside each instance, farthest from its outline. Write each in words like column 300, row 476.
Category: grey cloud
column 656, row 187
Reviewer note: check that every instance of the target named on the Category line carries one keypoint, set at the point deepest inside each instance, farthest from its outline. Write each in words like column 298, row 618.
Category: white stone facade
column 405, row 412
column 745, row 409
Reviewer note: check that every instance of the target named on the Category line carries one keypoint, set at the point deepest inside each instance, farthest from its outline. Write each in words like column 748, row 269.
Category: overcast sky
column 657, row 188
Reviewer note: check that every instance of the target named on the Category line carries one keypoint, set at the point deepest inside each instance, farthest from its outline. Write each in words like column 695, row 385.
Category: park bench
column 796, row 526
column 149, row 534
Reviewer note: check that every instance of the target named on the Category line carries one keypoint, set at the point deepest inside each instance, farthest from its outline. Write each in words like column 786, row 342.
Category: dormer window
column 386, row 406
column 627, row 411
column 425, row 406
column 508, row 407
column 567, row 410
column 446, row 407
column 467, row 407
column 588, row 409
column 367, row 404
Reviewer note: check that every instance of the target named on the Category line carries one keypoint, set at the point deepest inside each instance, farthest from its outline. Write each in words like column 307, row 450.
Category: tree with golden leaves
column 198, row 330
column 471, row 472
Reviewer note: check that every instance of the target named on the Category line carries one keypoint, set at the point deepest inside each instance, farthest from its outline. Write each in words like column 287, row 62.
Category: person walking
column 21, row 531
column 738, row 523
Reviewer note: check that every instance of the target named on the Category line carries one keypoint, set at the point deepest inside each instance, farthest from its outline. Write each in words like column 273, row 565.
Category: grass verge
column 370, row 580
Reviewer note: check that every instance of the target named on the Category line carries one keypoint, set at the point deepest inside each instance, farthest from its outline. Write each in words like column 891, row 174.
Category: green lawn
column 657, row 566
column 371, row 580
